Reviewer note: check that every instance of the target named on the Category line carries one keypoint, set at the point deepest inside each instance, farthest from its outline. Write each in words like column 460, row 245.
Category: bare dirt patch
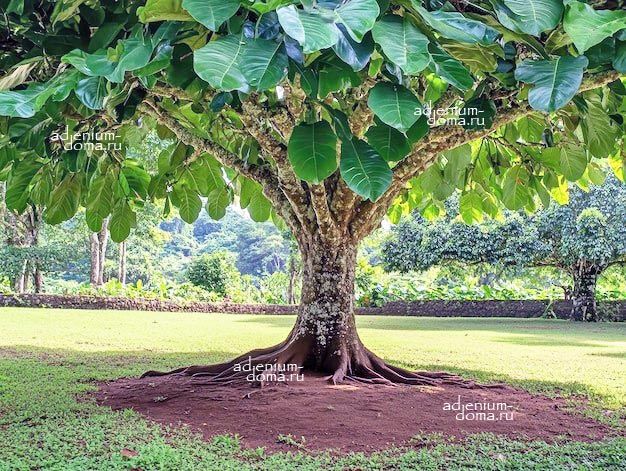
column 351, row 417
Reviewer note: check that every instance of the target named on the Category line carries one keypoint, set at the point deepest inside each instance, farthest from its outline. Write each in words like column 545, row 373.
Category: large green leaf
column 259, row 207
column 555, row 81
column 100, row 196
column 394, row 105
column 94, row 65
column 63, row 201
column 187, row 201
column 264, row 63
column 204, row 175
column 25, row 103
column 313, row 31
column 573, row 161
column 402, row 43
column 91, row 92
column 7, row 155
column 21, row 177
column 137, row 178
column 529, row 16
column 211, row 13
column 454, row 25
column 365, row 172
column 218, row 201
column 619, row 61
column 515, row 190
column 432, row 181
column 598, row 130
column 19, row 104
column 450, row 69
column 358, row 16
column 471, row 207
column 312, row 151
column 390, row 143
column 477, row 57
column 588, row 27
column 123, row 219
column 355, row 54
column 136, row 53
column 218, row 63
column 458, row 159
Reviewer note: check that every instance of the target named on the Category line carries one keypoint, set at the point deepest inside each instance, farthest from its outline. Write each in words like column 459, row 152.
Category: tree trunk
column 324, row 339
column 20, row 281
column 293, row 275
column 98, row 249
column 584, row 293
column 38, row 279
column 103, row 237
column 121, row 272
column 326, row 312
column 94, row 250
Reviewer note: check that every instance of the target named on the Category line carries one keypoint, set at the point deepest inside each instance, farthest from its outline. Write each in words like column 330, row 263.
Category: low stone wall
column 126, row 304
column 615, row 310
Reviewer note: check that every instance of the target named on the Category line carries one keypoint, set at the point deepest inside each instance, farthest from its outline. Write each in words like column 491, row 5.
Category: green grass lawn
column 49, row 357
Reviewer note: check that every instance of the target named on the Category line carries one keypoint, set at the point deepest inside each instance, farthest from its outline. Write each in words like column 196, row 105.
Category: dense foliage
column 214, row 272
column 364, row 73
column 583, row 238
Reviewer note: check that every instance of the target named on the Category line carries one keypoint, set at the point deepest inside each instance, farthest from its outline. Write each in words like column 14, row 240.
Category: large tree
column 322, row 115
column 583, row 238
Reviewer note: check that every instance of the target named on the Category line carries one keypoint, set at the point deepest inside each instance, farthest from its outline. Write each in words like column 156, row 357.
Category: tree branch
column 260, row 174
column 325, row 221
column 254, row 117
column 441, row 139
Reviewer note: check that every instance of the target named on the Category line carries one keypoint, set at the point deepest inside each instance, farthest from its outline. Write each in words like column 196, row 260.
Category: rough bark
column 584, row 293
column 324, row 338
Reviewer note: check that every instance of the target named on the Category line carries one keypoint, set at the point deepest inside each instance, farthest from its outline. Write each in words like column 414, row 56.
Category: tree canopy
column 257, row 97
column 583, row 238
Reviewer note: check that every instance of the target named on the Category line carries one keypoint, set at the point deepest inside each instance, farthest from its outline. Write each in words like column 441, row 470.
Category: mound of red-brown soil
column 349, row 417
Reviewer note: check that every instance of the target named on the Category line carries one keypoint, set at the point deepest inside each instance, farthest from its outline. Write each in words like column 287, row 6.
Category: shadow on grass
column 611, row 332
column 547, row 341
column 36, row 382
column 87, row 367
column 618, row 355
column 113, row 360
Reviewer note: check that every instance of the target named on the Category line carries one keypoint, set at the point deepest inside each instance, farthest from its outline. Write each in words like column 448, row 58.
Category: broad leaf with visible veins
column 312, row 151
column 365, row 172
column 402, row 43
column 211, row 13
column 555, row 82
column 588, row 27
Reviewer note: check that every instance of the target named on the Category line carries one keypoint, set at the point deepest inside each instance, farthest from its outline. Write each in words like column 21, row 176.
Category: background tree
column 314, row 114
column 214, row 272
column 583, row 238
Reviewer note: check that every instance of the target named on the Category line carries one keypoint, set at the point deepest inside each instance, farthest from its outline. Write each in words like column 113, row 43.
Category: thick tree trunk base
column 359, row 366
column 325, row 339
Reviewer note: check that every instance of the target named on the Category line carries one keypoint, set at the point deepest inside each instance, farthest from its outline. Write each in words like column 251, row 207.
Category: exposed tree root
column 294, row 356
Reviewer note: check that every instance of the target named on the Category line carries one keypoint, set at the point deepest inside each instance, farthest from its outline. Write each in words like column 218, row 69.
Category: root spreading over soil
column 352, row 416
